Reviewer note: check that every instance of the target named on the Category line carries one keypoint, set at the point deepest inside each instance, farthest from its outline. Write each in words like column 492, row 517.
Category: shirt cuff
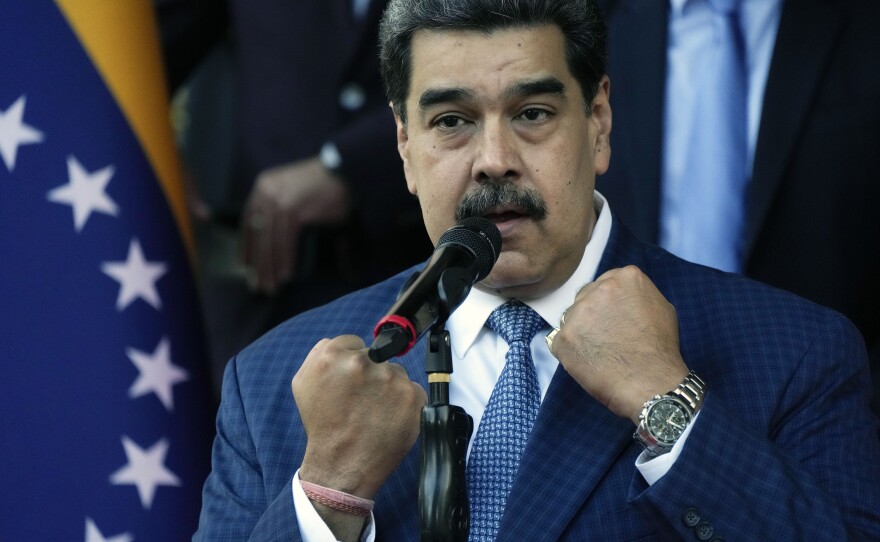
column 653, row 469
column 311, row 527
column 330, row 157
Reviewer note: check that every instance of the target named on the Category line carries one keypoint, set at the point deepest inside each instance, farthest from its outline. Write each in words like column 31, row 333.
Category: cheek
column 569, row 184
column 440, row 179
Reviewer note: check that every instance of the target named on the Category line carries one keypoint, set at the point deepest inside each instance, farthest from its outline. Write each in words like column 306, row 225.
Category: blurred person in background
column 801, row 215
column 298, row 193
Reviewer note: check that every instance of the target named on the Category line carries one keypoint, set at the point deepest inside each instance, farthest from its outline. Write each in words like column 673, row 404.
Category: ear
column 403, row 150
column 601, row 116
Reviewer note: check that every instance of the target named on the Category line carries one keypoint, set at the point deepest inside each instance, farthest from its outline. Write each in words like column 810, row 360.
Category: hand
column 620, row 341
column 199, row 209
column 283, row 200
column 361, row 418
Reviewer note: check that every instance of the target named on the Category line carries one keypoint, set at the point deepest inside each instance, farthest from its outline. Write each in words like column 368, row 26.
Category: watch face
column 667, row 420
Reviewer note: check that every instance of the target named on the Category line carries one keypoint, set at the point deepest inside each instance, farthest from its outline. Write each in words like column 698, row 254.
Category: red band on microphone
column 399, row 321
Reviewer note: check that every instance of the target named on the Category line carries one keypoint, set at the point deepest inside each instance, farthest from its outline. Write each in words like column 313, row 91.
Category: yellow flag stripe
column 121, row 38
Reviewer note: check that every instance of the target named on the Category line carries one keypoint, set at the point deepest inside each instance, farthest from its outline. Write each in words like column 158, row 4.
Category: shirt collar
column 467, row 321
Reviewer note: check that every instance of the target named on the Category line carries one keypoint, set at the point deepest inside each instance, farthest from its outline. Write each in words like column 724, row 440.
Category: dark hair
column 579, row 20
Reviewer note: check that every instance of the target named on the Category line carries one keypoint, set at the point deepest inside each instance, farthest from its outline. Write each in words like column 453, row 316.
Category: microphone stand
column 444, row 511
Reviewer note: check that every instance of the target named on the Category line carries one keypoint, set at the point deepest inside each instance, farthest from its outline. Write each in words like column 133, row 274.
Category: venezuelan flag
column 105, row 413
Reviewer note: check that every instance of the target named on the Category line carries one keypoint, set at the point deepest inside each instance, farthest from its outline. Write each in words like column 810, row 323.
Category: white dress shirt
column 478, row 357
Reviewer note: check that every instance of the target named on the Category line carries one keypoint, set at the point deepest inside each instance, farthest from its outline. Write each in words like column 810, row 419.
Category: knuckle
column 630, row 273
column 420, row 396
column 607, row 287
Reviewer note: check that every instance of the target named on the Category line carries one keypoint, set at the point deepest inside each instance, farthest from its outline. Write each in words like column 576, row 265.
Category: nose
column 497, row 155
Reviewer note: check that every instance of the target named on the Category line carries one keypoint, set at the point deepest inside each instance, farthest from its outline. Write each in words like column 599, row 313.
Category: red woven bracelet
column 337, row 500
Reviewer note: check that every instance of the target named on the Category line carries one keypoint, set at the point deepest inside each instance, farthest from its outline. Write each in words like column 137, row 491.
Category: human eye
column 449, row 122
column 535, row 114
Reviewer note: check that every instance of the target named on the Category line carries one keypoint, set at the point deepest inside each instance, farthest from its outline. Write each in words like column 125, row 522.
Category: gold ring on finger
column 549, row 338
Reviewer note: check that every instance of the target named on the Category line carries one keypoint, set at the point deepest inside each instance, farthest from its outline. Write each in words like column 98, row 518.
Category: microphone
column 464, row 256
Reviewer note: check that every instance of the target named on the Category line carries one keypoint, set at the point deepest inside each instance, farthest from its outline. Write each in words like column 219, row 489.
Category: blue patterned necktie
column 710, row 203
column 507, row 421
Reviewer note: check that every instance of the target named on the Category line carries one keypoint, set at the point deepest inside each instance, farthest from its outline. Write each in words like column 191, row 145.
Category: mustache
column 489, row 195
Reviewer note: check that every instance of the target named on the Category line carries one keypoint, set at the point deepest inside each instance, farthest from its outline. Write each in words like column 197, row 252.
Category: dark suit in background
column 812, row 221
column 784, row 447
column 296, row 75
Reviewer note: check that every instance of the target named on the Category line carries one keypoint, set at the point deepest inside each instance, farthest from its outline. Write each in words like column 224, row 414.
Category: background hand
column 620, row 341
column 284, row 200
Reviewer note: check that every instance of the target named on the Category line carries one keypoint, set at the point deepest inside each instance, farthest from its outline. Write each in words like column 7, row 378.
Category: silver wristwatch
column 665, row 417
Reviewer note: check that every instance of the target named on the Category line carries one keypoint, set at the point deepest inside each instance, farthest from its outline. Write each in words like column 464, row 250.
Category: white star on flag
column 158, row 374
column 136, row 276
column 94, row 535
column 14, row 132
column 145, row 469
column 85, row 192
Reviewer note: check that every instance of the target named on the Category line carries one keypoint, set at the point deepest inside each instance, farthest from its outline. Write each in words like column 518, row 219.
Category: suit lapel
column 808, row 30
column 574, row 442
column 573, row 445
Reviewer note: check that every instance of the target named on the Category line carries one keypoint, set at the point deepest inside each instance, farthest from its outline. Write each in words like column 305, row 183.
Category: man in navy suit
column 502, row 111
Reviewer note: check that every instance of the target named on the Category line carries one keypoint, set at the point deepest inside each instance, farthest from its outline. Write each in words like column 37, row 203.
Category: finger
column 262, row 264
column 246, row 243
column 253, row 223
column 587, row 289
column 284, row 246
column 612, row 274
column 329, row 355
column 421, row 394
column 347, row 342
column 396, row 368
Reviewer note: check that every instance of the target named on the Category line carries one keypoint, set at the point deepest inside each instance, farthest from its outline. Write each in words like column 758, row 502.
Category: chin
column 511, row 279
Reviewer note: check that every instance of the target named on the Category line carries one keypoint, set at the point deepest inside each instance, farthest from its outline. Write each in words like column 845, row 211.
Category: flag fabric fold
column 106, row 408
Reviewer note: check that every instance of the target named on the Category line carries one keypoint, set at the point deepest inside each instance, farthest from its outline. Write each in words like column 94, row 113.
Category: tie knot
column 515, row 321
column 725, row 7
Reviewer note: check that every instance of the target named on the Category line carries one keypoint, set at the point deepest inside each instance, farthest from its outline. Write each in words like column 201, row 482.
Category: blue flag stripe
column 67, row 371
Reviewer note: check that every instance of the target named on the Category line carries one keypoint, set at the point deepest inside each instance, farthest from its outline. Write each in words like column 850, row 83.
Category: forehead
column 486, row 63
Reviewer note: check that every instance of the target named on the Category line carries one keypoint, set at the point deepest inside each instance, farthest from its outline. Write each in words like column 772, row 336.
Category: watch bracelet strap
column 692, row 390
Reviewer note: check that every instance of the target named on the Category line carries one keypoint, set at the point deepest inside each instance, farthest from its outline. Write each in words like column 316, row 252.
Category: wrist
column 660, row 387
column 342, row 525
column 337, row 478
column 337, row 500
column 664, row 418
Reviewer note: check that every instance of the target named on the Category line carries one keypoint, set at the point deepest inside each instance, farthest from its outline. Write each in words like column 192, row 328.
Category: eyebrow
column 435, row 96
column 546, row 85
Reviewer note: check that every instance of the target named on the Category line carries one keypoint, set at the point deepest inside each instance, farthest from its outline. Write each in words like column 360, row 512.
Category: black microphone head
column 481, row 236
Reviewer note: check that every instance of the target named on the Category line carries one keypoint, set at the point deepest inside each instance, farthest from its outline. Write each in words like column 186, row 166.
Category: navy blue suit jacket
column 785, row 447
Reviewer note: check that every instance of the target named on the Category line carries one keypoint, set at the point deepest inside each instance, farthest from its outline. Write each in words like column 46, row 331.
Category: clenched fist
column 361, row 418
column 620, row 341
